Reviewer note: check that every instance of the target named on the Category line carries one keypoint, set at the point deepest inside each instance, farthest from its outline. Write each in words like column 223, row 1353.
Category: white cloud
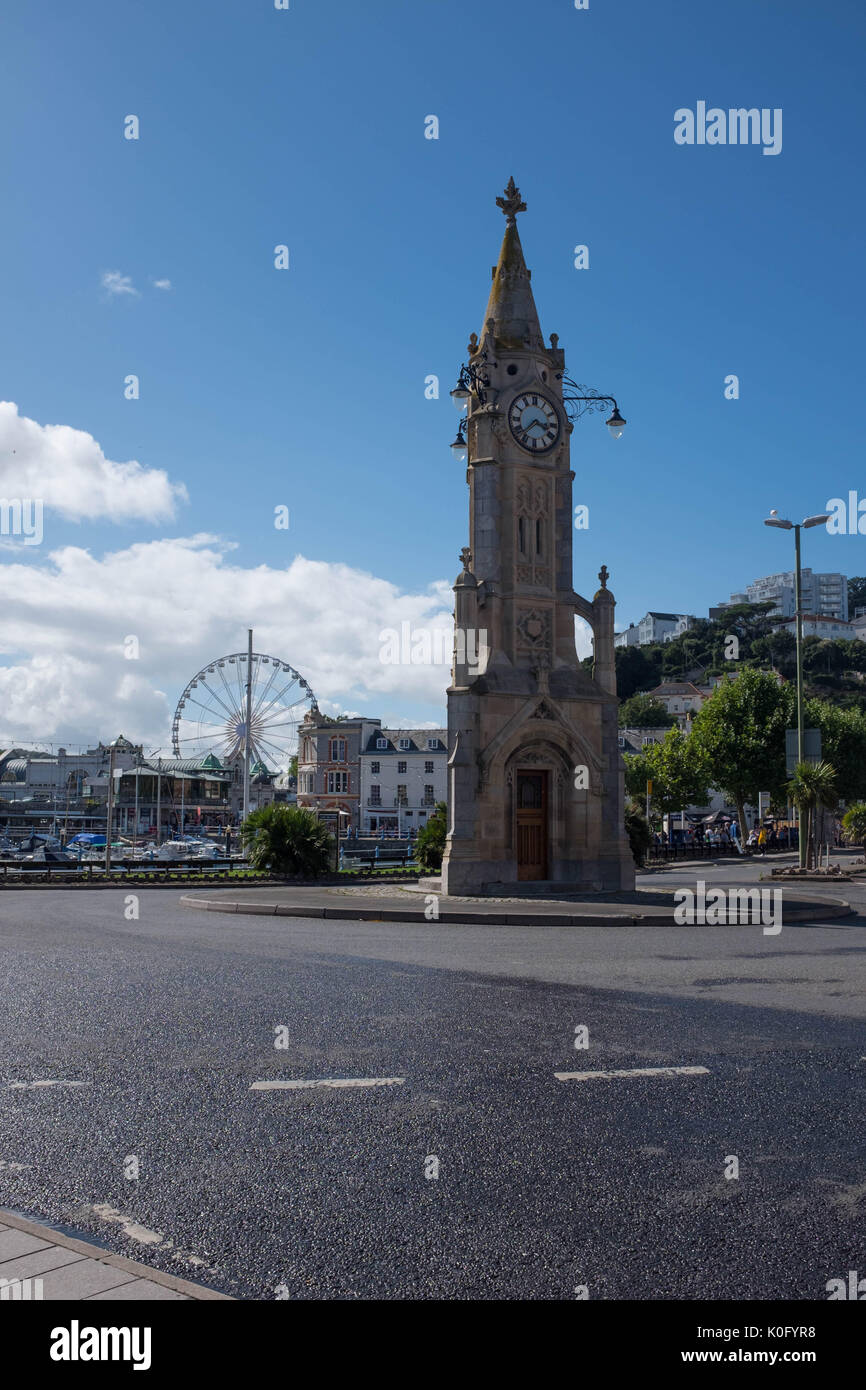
column 65, row 619
column 68, row 471
column 114, row 283
column 161, row 284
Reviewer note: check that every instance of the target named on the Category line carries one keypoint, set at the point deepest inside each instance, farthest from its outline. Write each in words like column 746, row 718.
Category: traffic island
column 423, row 903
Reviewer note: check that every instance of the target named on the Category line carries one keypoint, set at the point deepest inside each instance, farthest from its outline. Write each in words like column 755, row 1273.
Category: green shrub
column 286, row 840
column 430, row 844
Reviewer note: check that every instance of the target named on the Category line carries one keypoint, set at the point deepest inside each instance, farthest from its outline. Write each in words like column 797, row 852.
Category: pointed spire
column 511, row 305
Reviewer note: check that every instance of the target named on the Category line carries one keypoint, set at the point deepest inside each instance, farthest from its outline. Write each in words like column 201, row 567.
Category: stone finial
column 603, row 576
column 511, row 204
column 465, row 557
column 554, row 340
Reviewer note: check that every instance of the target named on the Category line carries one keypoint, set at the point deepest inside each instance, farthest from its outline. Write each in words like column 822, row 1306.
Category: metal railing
column 694, row 850
column 121, row 869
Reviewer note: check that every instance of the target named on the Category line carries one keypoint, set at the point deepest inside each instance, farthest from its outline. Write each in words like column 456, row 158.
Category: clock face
column 534, row 422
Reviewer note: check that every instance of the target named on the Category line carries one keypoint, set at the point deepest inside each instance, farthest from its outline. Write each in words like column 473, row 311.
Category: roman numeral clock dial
column 534, row 422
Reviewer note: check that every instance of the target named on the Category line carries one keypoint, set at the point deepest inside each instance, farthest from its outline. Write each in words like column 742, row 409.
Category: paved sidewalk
column 73, row 1269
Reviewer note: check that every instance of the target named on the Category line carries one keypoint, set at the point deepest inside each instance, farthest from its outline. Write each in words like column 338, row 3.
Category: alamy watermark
column 424, row 646
column 736, row 126
column 22, row 516
column 856, row 1288
column 720, row 907
column 21, row 1290
column 846, row 518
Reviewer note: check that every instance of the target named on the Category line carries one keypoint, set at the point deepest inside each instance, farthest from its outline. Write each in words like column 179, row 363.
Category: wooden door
column 531, row 828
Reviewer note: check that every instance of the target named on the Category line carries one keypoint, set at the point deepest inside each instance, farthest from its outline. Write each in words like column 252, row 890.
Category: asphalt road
column 543, row 1185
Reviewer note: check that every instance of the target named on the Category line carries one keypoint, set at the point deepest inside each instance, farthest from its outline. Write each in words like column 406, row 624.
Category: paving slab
column 39, row 1263
column 81, row 1279
column 73, row 1269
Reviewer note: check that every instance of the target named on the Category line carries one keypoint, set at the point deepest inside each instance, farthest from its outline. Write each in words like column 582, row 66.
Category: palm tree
column 854, row 823
column 813, row 786
column 286, row 840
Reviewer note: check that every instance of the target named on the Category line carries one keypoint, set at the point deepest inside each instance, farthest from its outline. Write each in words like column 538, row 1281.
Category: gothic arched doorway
column 531, row 801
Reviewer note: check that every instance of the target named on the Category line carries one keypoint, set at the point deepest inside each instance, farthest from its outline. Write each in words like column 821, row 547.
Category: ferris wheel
column 211, row 713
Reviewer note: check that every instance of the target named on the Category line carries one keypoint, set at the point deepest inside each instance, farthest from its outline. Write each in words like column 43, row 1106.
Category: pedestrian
column 762, row 840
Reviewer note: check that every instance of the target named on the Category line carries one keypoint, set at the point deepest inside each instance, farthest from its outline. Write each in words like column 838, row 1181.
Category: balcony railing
column 407, row 803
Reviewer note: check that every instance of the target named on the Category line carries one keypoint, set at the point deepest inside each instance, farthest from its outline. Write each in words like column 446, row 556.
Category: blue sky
column 306, row 387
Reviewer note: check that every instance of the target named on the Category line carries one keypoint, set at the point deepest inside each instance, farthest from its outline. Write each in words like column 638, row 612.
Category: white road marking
column 35, row 1085
column 631, row 1071
column 133, row 1230
column 335, row 1082
column 130, row 1228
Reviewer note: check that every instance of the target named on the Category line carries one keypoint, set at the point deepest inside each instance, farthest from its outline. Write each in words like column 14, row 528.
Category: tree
column 856, row 593
column 854, row 824
column 778, row 650
column 637, row 772
column 812, row 787
column 643, row 712
column 637, row 668
column 430, row 840
column 282, row 839
column 843, row 743
column 678, row 771
column 740, row 731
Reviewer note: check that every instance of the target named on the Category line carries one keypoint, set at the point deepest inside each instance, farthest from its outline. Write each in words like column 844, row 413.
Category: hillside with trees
column 833, row 670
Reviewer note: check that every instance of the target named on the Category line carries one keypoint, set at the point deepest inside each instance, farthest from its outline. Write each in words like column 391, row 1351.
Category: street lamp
column 579, row 399
column 796, row 526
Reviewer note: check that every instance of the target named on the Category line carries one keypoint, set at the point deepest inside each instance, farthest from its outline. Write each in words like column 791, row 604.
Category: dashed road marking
column 129, row 1227
column 631, row 1071
column 142, row 1235
column 37, row 1085
column 333, row 1081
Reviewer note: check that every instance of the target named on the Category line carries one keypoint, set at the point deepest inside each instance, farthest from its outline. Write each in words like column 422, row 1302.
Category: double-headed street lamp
column 797, row 526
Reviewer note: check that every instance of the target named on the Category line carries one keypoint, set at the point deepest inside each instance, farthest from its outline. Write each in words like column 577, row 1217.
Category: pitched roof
column 676, row 688
column 418, row 740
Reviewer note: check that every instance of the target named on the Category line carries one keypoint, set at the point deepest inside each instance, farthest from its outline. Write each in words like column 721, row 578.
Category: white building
column 828, row 628
column 825, row 595
column 66, row 774
column 403, row 773
column 653, row 627
column 658, row 627
column 680, row 698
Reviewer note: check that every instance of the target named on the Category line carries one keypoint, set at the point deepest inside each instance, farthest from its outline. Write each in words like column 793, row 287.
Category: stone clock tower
column 535, row 777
